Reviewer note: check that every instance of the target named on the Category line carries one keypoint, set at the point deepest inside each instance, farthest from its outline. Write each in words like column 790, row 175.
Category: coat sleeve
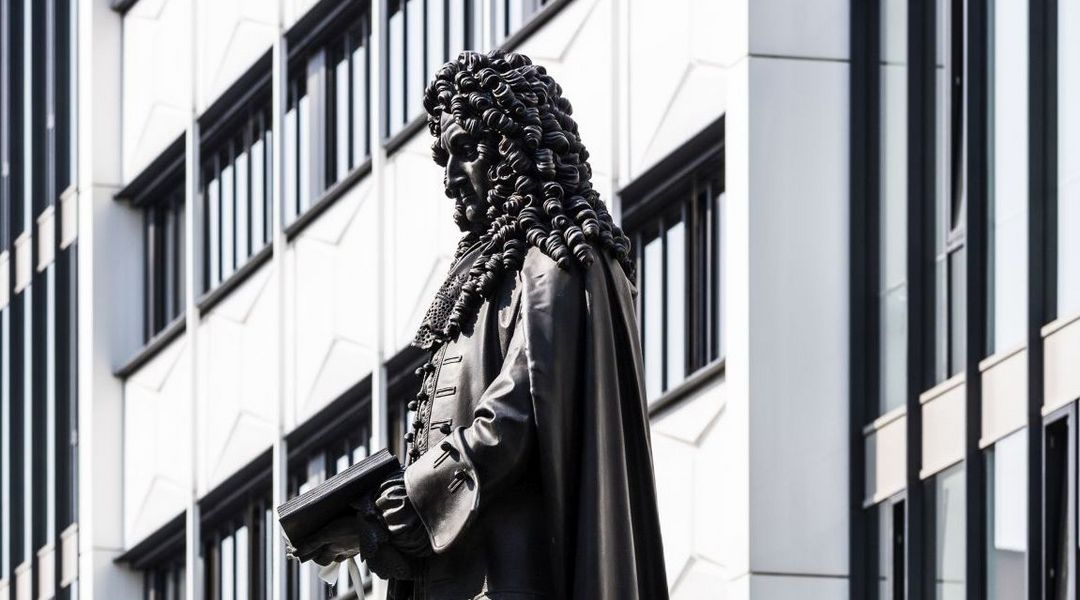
column 449, row 483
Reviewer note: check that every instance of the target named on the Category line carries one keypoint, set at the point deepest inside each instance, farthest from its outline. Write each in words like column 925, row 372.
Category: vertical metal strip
column 978, row 172
column 279, row 453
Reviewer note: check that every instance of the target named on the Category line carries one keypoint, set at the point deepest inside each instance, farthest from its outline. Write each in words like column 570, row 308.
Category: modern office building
column 859, row 290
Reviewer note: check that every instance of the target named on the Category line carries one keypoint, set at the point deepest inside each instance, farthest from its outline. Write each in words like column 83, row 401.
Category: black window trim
column 643, row 198
column 217, row 125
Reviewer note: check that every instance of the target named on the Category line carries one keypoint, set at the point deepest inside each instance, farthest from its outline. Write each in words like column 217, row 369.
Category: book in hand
column 309, row 512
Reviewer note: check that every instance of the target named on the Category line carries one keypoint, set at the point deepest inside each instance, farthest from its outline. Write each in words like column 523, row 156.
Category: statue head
column 517, row 171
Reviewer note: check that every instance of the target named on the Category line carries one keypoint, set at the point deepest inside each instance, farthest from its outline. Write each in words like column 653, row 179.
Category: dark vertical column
column 921, row 201
column 1042, row 240
column 864, row 17
column 978, row 166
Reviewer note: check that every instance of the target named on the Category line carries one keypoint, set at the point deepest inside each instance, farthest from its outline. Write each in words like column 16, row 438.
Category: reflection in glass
column 1008, row 189
column 676, row 303
column 1006, row 517
column 1068, row 151
column 892, row 209
column 242, row 208
column 653, row 319
column 227, row 223
column 947, row 520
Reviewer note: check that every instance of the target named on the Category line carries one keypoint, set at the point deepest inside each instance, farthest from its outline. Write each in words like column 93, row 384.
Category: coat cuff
column 444, row 490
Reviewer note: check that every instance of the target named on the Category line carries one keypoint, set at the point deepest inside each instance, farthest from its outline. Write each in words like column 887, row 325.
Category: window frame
column 673, row 187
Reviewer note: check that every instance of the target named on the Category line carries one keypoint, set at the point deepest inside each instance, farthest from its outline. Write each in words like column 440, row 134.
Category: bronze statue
column 529, row 471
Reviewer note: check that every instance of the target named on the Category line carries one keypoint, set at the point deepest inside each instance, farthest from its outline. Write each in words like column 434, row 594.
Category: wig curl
column 541, row 192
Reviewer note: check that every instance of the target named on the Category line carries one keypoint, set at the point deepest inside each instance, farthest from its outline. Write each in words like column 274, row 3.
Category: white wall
column 156, row 79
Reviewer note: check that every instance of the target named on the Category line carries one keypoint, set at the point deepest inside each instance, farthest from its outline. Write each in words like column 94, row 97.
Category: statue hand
column 338, row 540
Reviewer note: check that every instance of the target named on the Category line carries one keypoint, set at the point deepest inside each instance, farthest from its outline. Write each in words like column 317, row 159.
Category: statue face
column 466, row 176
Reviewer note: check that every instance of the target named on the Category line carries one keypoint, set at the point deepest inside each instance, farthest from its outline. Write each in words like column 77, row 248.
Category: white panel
column 1061, row 353
column 69, row 216
column 1005, row 397
column 886, row 458
column 24, row 581
column 69, row 555
column 798, row 314
column 943, row 426
column 416, row 208
column 23, row 261
column 238, row 347
column 5, row 590
column 157, row 50
column 332, row 302
column 157, row 449
column 233, row 35
column 46, row 237
column 797, row 28
column 46, row 574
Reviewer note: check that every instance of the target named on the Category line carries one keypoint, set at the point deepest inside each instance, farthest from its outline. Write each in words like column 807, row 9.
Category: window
column 676, row 232
column 237, row 552
column 327, row 116
column 165, row 581
column 892, row 290
column 1006, row 517
column 1067, row 271
column 237, row 191
column 945, row 517
column 1059, row 555
column 949, row 236
column 331, row 452
column 510, row 15
column 1008, row 169
column 163, row 256
column 421, row 36
column 891, row 542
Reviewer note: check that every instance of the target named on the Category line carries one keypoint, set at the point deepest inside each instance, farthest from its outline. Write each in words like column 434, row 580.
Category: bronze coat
column 537, row 481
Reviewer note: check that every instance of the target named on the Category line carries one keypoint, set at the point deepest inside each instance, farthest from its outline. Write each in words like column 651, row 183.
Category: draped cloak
column 556, row 428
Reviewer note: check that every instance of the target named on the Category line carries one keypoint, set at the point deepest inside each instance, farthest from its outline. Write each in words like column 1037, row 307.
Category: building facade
column 220, row 225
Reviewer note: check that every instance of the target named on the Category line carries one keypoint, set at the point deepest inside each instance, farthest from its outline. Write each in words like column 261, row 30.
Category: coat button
column 412, row 405
column 422, row 396
column 418, row 424
column 445, row 428
column 409, row 437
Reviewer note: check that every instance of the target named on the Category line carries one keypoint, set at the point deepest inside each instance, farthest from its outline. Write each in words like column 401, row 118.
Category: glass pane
column 359, row 99
column 290, row 164
column 303, row 130
column 214, row 231
column 1068, row 136
column 227, row 222
column 228, row 575
column 1006, row 535
column 957, row 310
column 436, row 23
column 414, row 53
column 884, row 535
column 892, row 210
column 341, row 118
column 676, row 304
column 949, row 534
column 1009, row 174
column 396, row 74
column 242, row 568
column 268, row 187
column 241, row 208
column 457, row 32
column 258, row 186
column 652, row 320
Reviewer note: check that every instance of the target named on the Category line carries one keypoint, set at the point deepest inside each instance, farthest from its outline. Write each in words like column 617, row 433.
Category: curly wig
column 540, row 191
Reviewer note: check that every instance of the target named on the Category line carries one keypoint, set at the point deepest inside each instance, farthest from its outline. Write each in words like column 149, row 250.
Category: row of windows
column 326, row 137
column 950, row 207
